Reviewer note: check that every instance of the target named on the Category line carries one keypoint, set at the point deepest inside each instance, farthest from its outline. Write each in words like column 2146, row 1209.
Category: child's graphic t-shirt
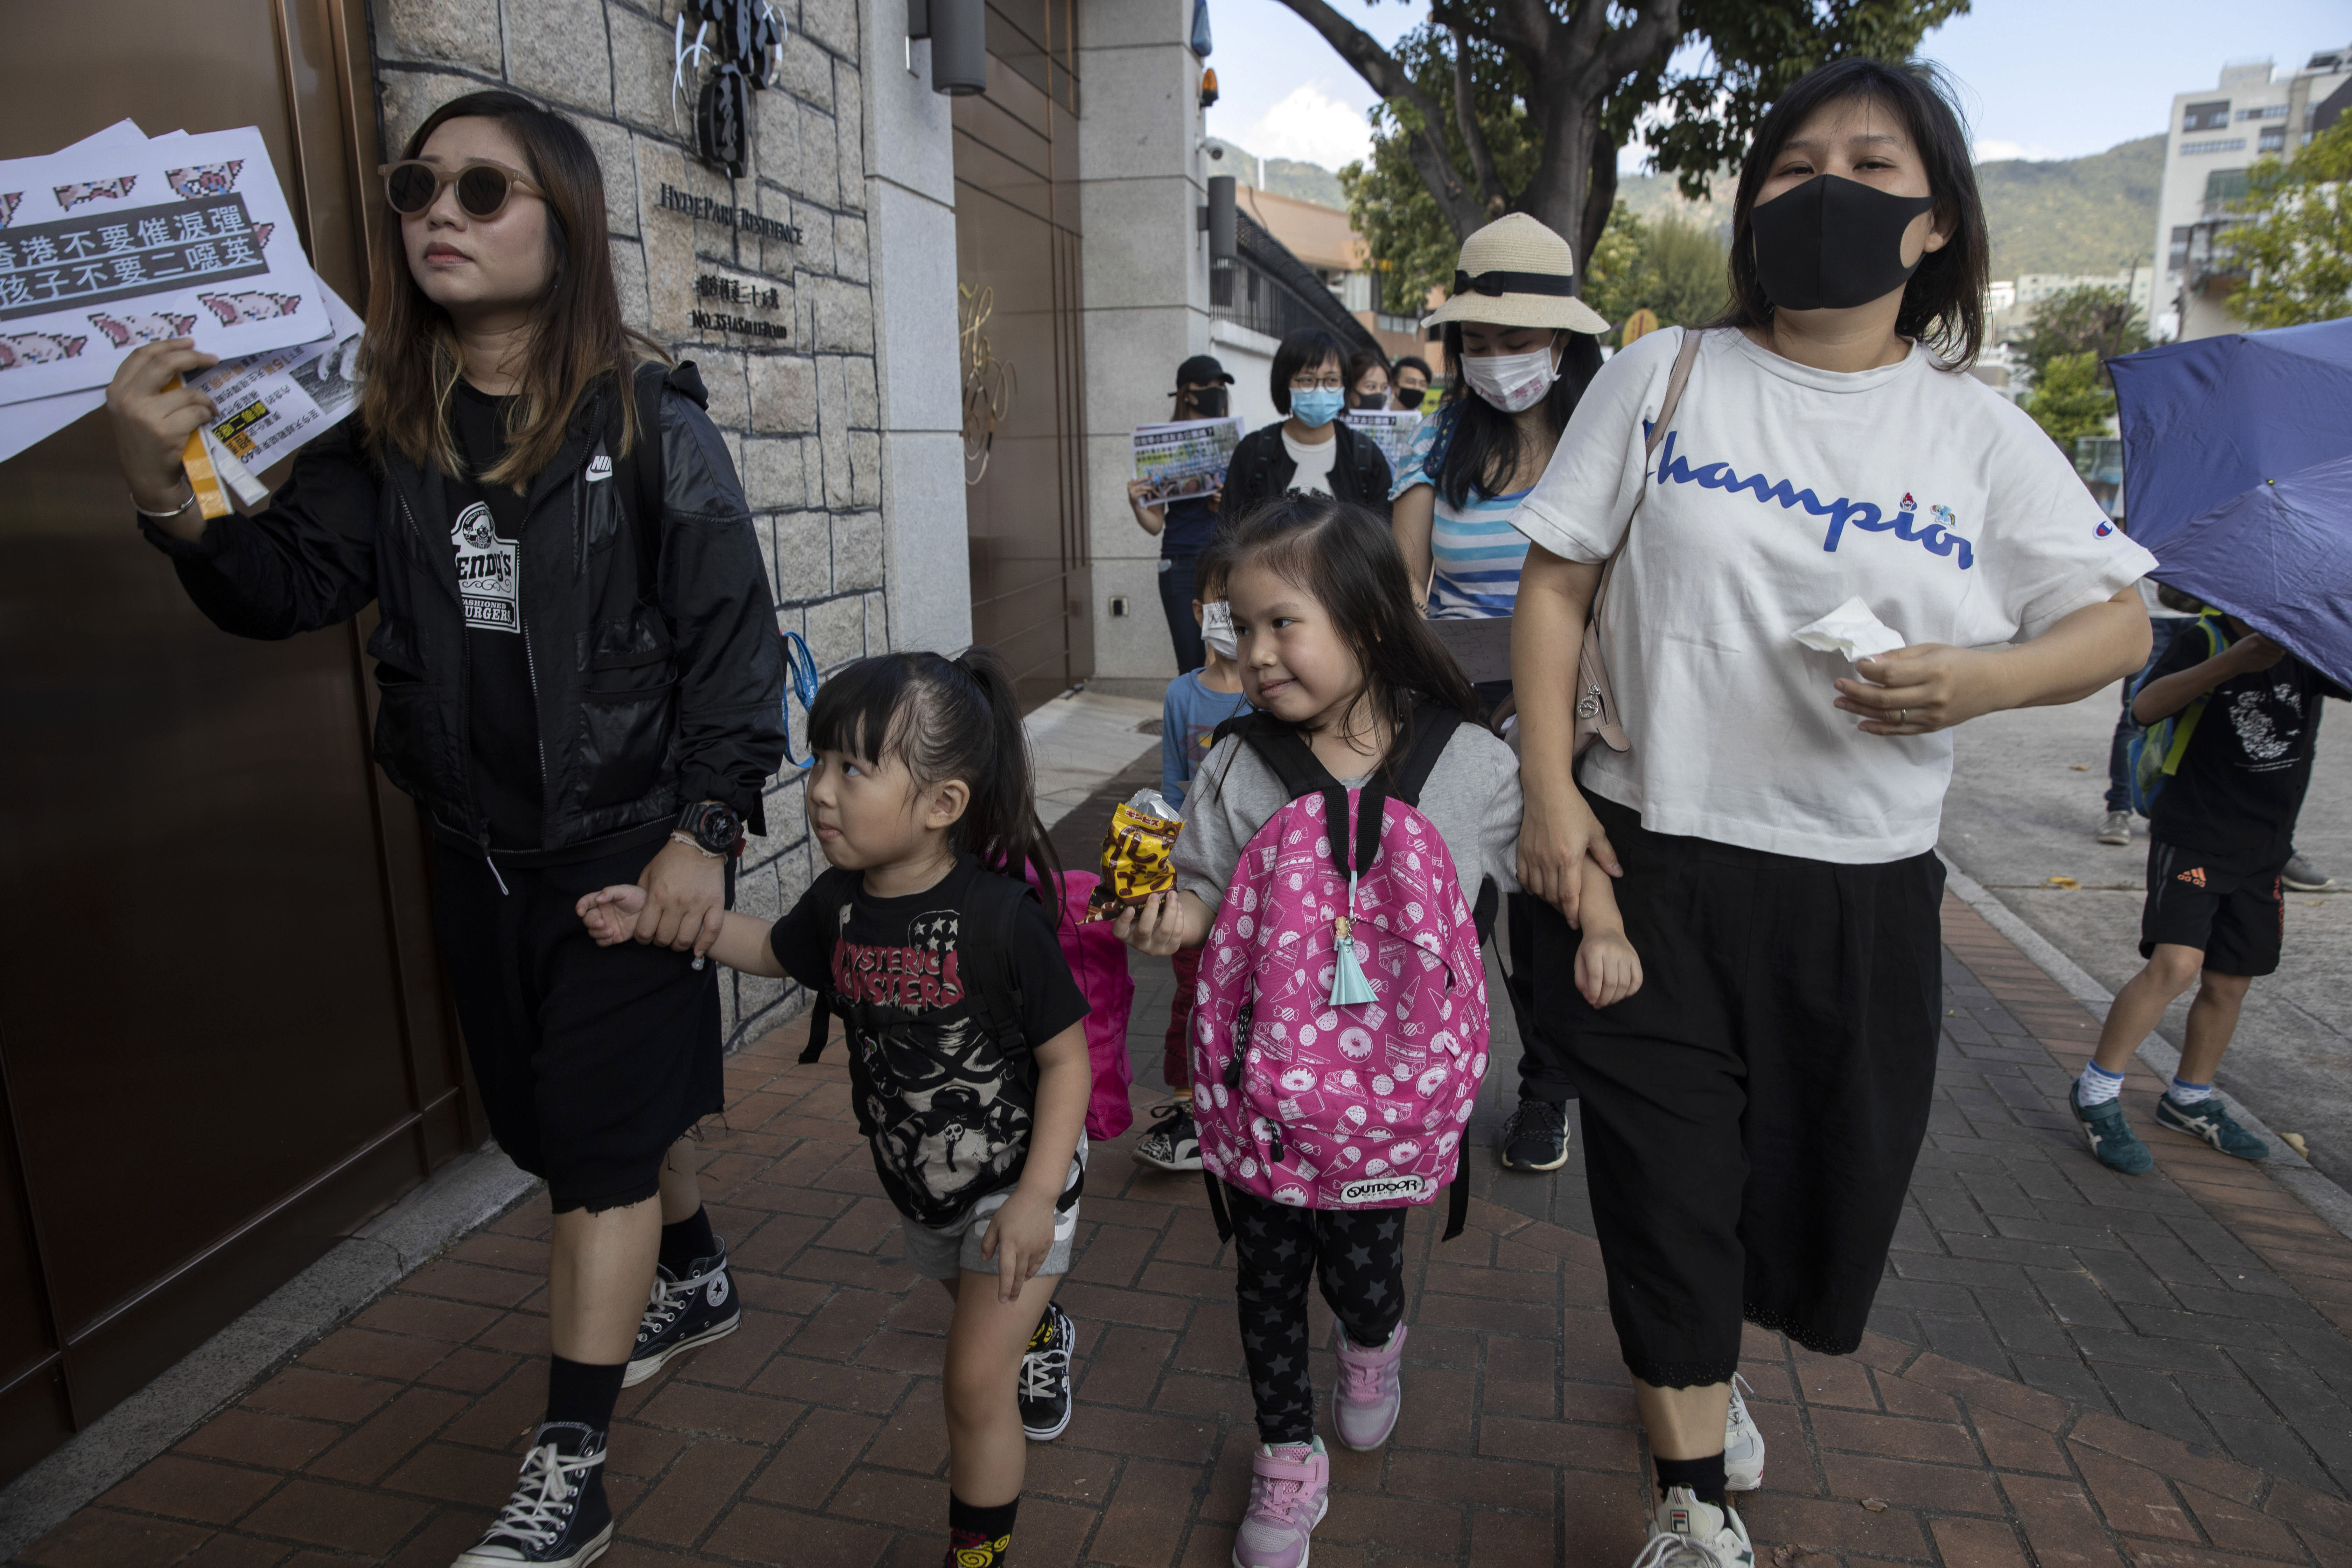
column 2242, row 780
column 945, row 1102
column 1188, row 719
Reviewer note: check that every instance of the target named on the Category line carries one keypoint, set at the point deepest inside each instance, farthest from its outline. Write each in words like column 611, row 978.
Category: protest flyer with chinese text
column 1392, row 430
column 107, row 247
column 1185, row 460
column 274, row 401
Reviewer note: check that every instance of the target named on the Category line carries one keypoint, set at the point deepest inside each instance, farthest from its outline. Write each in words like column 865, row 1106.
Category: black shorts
column 2236, row 917
column 1752, row 1113
column 591, row 1061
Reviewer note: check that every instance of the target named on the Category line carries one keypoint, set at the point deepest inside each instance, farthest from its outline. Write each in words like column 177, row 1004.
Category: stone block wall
column 801, row 416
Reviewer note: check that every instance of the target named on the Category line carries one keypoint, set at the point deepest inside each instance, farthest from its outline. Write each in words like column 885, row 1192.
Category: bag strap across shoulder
column 1677, row 379
column 835, row 888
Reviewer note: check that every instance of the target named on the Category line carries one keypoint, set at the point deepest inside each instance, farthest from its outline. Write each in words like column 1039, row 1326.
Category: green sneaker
column 2111, row 1137
column 2209, row 1119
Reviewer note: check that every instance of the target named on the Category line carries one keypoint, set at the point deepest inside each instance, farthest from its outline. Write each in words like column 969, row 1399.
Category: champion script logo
column 1864, row 515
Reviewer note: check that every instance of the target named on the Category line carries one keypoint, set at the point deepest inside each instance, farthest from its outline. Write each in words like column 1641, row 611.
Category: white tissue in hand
column 1850, row 630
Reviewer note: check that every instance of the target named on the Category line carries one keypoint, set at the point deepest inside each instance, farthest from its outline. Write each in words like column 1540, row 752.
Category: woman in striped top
column 1522, row 346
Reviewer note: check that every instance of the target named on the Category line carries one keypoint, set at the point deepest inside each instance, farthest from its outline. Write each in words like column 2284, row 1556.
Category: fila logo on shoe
column 600, row 466
column 1678, row 1522
column 718, row 1292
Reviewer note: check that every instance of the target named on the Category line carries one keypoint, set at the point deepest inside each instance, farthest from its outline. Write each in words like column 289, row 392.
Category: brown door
column 223, row 1038
column 1016, row 169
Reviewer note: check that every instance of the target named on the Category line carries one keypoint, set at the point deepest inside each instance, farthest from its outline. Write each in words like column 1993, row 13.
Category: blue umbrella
column 2205, row 421
column 2279, row 557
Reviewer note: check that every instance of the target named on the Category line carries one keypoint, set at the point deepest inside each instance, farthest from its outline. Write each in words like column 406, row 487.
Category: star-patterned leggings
column 1358, row 1257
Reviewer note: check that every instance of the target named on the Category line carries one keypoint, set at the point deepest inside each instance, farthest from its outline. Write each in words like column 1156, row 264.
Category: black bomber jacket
column 649, row 695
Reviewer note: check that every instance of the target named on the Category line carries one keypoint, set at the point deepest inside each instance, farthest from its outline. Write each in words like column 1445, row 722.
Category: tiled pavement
column 2074, row 1371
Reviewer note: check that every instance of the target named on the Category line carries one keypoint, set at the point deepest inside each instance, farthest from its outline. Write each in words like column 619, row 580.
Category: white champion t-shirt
column 1778, row 492
column 1314, row 475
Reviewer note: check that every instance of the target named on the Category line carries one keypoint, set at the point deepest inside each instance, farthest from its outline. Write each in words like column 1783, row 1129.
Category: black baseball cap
column 1202, row 370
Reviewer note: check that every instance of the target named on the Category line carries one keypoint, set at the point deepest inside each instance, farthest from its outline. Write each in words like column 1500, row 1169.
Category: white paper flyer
column 104, row 247
column 272, row 402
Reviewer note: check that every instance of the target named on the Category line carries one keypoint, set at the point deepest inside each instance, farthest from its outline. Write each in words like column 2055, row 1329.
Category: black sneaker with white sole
column 1535, row 1138
column 684, row 1313
column 1173, row 1143
column 1046, row 1375
column 558, row 1517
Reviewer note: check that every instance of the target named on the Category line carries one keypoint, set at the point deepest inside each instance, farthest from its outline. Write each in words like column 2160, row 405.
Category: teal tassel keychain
column 1348, row 987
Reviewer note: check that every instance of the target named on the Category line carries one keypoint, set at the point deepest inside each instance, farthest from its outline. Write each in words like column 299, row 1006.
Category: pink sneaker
column 1371, row 1390
column 1289, row 1488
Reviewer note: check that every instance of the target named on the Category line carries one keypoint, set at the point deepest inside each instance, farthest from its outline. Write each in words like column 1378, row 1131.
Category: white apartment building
column 2211, row 140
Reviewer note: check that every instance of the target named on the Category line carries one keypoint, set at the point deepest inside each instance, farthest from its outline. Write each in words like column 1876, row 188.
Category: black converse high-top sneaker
column 558, row 1517
column 684, row 1313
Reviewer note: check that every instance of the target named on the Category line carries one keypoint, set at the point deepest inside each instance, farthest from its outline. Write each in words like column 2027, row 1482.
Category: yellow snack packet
column 1138, row 854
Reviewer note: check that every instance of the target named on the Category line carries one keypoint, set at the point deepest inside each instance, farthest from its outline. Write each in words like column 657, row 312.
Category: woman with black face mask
column 1752, row 1111
column 1184, row 526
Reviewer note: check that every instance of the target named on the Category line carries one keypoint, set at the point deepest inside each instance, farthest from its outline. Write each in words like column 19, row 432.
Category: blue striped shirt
column 1477, row 552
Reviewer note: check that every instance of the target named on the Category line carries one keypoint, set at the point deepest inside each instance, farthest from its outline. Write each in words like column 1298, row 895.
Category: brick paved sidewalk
column 2075, row 1370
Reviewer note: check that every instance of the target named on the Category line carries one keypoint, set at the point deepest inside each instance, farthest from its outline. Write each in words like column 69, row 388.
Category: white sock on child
column 2190, row 1093
column 2097, row 1085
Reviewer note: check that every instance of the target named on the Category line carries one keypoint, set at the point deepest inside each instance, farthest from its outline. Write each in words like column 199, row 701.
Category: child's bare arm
column 1022, row 1233
column 1608, row 970
column 611, row 916
column 1165, row 922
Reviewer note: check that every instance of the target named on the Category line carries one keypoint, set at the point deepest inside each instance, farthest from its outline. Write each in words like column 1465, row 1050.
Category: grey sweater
column 1472, row 798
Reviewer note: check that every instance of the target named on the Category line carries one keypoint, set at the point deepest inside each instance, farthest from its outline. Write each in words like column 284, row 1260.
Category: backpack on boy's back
column 1326, row 1077
column 2155, row 751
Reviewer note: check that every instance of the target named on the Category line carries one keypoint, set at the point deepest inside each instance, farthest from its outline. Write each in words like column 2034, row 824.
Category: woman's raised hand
column 153, row 417
column 1558, row 833
column 1920, row 690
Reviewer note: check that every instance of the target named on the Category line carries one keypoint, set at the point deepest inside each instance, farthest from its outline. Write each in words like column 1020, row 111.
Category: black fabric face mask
column 1832, row 243
column 1367, row 400
column 1209, row 402
column 1410, row 397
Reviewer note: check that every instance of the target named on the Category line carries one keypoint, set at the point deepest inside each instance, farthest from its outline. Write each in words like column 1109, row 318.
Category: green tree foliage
column 2068, row 401
column 1667, row 264
column 2091, row 319
column 1500, row 106
column 2295, row 240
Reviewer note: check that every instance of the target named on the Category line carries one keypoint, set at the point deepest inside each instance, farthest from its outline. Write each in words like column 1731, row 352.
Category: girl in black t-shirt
column 967, row 1051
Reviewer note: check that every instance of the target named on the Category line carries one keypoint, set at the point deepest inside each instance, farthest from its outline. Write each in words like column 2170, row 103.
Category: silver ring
column 1903, row 715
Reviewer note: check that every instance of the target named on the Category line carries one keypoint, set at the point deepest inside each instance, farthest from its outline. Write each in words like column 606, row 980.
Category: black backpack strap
column 1217, row 1206
column 641, row 474
column 992, row 902
column 1432, row 727
column 836, row 888
column 1457, row 1202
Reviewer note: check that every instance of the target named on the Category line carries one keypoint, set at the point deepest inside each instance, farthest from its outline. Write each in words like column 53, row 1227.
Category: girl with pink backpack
column 1343, row 850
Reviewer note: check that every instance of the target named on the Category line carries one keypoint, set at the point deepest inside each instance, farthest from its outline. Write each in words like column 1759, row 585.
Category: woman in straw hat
column 1752, row 1114
column 1524, row 348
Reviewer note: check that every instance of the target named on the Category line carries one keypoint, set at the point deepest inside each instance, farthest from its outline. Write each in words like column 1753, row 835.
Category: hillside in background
column 1283, row 177
column 2074, row 215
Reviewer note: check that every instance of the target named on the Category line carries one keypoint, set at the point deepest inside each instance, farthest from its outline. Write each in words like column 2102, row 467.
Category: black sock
column 687, row 1242
column 582, row 1392
column 981, row 1530
column 1704, row 1477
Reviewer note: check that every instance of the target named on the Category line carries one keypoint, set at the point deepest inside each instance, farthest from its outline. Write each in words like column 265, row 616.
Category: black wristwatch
column 715, row 828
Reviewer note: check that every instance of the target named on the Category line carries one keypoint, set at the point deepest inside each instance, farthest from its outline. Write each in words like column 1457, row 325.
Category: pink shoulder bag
column 1597, row 714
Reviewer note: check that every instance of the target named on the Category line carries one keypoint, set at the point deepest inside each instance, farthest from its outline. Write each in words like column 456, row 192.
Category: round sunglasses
column 412, row 185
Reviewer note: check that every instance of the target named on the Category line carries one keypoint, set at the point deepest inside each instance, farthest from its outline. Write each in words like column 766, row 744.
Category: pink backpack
column 1099, row 963
column 1324, row 1083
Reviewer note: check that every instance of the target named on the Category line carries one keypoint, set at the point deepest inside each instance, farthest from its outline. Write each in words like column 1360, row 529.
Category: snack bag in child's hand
column 1138, row 854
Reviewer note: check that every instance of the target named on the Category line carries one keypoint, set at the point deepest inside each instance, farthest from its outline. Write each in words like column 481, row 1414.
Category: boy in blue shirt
column 1197, row 701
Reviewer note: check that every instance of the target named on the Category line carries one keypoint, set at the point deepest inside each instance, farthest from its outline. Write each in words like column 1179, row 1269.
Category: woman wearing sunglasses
column 574, row 693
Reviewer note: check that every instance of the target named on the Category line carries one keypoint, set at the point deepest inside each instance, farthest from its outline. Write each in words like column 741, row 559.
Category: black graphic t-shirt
column 502, row 710
column 947, row 1107
column 2243, row 778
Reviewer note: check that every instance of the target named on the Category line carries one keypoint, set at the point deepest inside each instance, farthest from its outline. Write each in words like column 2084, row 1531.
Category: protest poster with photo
column 1392, row 430
column 113, row 244
column 1186, row 460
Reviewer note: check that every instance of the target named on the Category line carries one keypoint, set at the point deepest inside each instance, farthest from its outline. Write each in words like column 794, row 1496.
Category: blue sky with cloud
column 2040, row 79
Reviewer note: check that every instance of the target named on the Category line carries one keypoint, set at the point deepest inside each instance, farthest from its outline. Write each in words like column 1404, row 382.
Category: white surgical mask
column 1217, row 629
column 1511, row 382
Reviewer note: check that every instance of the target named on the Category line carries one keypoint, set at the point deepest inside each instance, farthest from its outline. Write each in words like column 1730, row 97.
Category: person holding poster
column 580, row 684
column 1185, row 523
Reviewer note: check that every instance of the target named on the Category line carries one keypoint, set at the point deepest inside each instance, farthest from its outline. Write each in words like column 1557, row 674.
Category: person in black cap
column 1183, row 526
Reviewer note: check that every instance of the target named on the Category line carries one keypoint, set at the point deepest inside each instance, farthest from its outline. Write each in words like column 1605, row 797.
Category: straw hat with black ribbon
column 1515, row 272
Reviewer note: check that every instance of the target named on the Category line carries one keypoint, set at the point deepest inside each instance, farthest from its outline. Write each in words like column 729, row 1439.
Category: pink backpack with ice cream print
column 1322, row 1082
